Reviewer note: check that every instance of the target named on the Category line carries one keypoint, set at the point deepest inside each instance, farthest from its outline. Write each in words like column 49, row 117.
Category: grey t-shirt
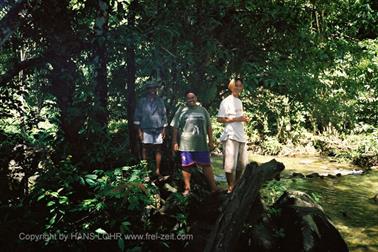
column 150, row 114
column 192, row 124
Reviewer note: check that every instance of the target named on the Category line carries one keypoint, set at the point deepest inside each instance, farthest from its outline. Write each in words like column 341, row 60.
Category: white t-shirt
column 232, row 107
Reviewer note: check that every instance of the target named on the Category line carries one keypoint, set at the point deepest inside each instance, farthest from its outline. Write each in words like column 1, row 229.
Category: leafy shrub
column 66, row 201
column 271, row 191
column 271, row 146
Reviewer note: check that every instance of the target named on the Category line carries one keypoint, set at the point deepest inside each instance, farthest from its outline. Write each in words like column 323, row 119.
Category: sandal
column 163, row 178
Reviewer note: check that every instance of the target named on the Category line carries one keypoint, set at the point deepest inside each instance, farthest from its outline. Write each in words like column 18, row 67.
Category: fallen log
column 263, row 236
column 236, row 208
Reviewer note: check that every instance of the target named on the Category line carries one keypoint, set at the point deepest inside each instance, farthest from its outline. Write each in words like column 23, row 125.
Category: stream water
column 347, row 200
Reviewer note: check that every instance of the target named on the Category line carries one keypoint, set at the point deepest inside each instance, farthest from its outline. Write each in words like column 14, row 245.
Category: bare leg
column 230, row 181
column 242, row 161
column 186, row 176
column 238, row 175
column 144, row 151
column 229, row 161
column 158, row 160
column 208, row 172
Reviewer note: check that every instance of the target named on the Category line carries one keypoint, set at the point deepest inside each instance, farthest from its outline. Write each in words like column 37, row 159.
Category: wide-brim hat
column 151, row 84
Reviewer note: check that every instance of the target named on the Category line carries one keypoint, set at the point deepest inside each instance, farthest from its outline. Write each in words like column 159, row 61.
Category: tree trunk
column 62, row 43
column 62, row 80
column 200, row 52
column 100, row 61
column 131, row 71
column 228, row 227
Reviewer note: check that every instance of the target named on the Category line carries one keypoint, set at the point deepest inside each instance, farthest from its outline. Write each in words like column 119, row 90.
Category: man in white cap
column 151, row 120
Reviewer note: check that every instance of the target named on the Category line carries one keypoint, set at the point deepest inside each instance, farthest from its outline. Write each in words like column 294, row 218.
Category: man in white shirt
column 234, row 139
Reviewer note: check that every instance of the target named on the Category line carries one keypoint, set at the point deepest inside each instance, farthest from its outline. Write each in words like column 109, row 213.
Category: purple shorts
column 189, row 158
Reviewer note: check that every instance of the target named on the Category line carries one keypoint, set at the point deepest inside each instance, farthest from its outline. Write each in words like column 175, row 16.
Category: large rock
column 305, row 225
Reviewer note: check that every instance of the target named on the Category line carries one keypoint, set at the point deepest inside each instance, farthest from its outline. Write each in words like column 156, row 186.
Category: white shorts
column 235, row 156
column 154, row 138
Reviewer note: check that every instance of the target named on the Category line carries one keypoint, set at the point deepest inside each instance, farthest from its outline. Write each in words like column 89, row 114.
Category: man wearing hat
column 151, row 119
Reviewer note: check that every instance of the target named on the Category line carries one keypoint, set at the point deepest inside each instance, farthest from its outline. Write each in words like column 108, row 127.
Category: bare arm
column 138, row 119
column 175, row 146
column 225, row 120
column 140, row 133
column 210, row 136
column 163, row 133
column 230, row 119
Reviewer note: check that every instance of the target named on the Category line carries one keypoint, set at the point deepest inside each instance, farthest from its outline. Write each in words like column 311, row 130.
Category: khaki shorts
column 235, row 156
column 149, row 138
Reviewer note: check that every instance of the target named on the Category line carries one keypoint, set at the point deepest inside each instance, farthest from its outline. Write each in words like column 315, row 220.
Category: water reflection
column 347, row 200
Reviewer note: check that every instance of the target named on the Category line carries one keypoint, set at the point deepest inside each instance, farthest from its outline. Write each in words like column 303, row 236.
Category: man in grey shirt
column 151, row 119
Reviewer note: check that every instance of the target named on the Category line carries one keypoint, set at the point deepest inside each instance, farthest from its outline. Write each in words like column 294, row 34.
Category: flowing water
column 347, row 200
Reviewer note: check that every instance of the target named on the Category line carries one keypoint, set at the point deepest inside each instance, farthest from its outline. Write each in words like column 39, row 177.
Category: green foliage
column 305, row 65
column 316, row 197
column 123, row 200
column 361, row 148
column 271, row 146
column 271, row 191
column 310, row 71
column 217, row 127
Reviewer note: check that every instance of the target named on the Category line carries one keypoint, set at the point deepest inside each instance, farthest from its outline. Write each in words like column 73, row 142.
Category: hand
column 175, row 147
column 163, row 133
column 211, row 145
column 245, row 118
column 242, row 118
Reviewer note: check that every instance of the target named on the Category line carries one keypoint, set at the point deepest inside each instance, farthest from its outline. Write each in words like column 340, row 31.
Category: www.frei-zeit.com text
column 107, row 236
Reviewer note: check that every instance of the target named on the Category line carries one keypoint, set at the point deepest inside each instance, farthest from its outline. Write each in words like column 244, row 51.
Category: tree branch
column 20, row 66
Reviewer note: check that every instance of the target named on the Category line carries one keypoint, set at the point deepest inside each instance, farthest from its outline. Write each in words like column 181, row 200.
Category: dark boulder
column 305, row 225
